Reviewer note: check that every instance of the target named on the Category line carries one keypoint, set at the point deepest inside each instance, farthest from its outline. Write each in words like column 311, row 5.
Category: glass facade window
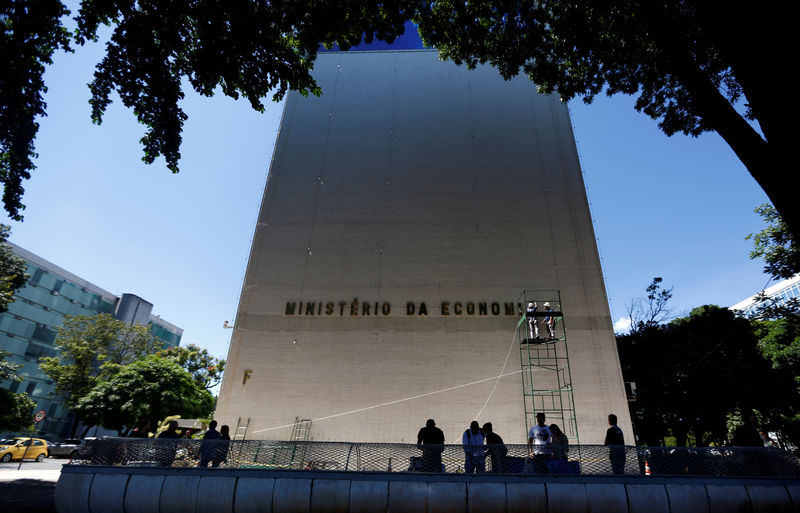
column 780, row 293
column 166, row 336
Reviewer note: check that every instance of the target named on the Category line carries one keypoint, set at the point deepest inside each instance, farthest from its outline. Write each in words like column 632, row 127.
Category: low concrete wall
column 99, row 489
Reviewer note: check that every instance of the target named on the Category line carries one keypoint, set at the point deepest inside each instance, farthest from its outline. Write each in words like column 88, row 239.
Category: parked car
column 65, row 449
column 15, row 449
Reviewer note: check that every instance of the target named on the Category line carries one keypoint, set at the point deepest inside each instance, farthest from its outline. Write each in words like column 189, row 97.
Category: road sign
column 39, row 416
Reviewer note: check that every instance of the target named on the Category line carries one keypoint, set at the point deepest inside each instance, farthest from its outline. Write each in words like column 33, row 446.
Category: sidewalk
column 28, row 490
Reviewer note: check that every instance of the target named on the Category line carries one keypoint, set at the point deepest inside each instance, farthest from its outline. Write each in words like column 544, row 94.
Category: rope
column 505, row 364
column 426, row 394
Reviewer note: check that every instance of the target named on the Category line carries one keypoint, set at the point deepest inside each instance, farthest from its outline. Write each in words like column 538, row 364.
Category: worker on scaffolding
column 533, row 323
column 550, row 322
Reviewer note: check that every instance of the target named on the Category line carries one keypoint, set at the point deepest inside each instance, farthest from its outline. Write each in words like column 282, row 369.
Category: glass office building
column 28, row 329
column 780, row 293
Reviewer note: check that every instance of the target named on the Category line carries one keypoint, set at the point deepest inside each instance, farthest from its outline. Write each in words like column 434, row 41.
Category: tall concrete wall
column 411, row 180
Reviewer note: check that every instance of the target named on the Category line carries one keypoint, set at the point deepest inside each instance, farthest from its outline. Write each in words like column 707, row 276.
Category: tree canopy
column 92, row 348
column 691, row 373
column 16, row 410
column 775, row 245
column 652, row 309
column 114, row 374
column 205, row 369
column 249, row 48
column 695, row 66
column 150, row 388
column 12, row 270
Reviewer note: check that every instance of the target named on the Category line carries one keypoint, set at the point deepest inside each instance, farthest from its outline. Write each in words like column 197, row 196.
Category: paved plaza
column 30, row 489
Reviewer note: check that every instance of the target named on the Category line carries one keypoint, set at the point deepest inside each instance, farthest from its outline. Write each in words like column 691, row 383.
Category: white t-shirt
column 541, row 438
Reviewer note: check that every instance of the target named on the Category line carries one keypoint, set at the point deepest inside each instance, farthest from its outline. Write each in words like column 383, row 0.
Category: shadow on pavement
column 27, row 496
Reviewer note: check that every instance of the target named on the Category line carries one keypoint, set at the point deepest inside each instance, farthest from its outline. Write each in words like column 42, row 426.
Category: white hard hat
column 530, row 305
column 547, row 304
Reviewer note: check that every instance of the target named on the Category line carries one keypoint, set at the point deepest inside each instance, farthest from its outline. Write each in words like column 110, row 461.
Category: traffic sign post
column 40, row 415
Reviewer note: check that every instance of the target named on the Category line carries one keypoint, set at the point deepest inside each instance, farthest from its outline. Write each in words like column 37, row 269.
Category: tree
column 150, row 388
column 651, row 310
column 692, row 372
column 776, row 245
column 15, row 409
column 696, row 66
column 205, row 369
column 31, row 32
column 779, row 342
column 249, row 48
column 12, row 270
column 91, row 348
column 8, row 370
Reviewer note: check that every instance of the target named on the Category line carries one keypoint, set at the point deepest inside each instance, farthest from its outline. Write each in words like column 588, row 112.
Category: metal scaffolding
column 546, row 378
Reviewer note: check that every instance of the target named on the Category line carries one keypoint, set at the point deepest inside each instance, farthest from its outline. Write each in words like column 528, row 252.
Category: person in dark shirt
column 747, row 435
column 221, row 454
column 141, row 429
column 209, row 444
column 495, row 448
column 137, row 449
column 560, row 444
column 171, row 431
column 430, row 440
column 616, row 440
column 166, row 450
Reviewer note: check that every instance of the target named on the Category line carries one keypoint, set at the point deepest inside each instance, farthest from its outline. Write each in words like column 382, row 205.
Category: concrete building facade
column 405, row 210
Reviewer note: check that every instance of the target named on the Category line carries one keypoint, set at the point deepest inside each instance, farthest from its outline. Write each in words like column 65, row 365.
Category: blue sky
column 674, row 207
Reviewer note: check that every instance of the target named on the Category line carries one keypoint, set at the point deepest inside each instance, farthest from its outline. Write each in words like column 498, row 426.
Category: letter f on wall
column 247, row 373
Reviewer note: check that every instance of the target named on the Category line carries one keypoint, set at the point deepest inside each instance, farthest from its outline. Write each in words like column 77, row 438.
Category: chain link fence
column 451, row 459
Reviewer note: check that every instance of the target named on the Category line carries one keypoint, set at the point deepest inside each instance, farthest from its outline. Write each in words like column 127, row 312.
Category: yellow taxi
column 14, row 449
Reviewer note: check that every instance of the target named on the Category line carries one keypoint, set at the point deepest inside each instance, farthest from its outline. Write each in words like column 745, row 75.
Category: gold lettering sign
column 370, row 308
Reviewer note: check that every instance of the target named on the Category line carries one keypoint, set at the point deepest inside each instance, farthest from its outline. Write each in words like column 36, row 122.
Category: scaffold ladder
column 241, row 429
column 544, row 360
column 301, row 432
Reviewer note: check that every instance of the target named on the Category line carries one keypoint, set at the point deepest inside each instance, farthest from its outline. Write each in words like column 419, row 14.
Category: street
column 30, row 489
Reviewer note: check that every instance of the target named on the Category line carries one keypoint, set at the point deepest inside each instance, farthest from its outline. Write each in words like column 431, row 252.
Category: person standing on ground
column 136, row 450
column 167, row 448
column 209, row 444
column 430, row 440
column 221, row 453
column 474, row 455
column 141, row 429
column 560, row 445
column 495, row 448
column 539, row 439
column 616, row 440
column 747, row 434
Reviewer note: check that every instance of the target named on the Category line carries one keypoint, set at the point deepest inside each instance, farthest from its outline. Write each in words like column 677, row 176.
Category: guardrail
column 374, row 457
